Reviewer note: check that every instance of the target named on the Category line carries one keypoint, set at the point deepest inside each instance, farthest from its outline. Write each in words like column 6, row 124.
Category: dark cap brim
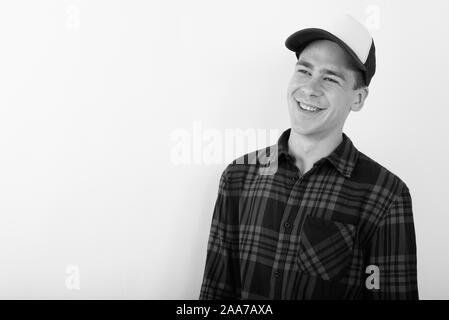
column 300, row 39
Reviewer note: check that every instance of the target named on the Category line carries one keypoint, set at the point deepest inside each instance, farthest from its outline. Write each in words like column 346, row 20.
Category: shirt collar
column 343, row 157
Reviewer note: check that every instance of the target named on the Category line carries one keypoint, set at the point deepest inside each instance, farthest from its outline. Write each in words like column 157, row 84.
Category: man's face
column 322, row 83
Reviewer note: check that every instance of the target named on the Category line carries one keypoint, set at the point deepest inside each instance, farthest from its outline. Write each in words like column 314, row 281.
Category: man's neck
column 308, row 149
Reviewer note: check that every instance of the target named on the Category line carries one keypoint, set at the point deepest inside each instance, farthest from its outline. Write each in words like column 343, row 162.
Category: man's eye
column 331, row 80
column 304, row 71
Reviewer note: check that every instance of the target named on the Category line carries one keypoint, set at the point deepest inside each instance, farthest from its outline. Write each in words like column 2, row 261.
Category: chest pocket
column 325, row 248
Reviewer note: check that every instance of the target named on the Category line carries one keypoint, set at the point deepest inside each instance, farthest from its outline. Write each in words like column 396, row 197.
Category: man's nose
column 311, row 88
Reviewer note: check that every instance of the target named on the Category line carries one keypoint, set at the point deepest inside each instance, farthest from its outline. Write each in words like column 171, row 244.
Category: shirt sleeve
column 221, row 279
column 393, row 251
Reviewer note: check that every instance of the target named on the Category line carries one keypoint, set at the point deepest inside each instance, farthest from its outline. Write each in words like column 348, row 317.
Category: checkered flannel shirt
column 342, row 230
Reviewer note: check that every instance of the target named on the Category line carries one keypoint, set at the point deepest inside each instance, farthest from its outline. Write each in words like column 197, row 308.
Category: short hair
column 359, row 79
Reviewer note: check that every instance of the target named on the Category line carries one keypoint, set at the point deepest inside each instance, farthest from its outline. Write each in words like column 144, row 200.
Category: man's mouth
column 308, row 107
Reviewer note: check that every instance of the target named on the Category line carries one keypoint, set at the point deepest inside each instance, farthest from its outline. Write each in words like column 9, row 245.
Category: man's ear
column 359, row 100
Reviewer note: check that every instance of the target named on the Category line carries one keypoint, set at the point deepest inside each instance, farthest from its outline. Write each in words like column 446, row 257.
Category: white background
column 92, row 204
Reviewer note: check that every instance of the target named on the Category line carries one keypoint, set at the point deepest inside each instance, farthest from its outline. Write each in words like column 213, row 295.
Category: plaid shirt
column 342, row 230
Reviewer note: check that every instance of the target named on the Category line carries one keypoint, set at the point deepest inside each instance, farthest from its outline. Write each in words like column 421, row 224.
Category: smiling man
column 324, row 88
column 329, row 222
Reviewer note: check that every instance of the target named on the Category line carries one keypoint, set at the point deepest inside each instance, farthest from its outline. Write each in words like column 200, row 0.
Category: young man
column 329, row 222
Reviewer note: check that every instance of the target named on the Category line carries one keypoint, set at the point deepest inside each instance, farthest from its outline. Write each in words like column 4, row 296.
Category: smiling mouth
column 308, row 108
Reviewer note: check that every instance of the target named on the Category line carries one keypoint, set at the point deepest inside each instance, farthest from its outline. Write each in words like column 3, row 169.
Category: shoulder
column 369, row 171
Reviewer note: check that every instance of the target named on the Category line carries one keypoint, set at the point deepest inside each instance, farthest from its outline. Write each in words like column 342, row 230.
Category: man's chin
column 302, row 130
column 305, row 131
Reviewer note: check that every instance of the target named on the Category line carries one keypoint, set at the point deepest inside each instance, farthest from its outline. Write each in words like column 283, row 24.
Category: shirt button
column 295, row 178
column 287, row 225
column 277, row 274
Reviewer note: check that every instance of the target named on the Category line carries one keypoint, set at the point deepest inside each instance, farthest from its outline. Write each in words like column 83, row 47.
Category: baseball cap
column 346, row 31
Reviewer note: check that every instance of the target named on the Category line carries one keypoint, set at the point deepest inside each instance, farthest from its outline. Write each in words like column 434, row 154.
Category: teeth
column 308, row 108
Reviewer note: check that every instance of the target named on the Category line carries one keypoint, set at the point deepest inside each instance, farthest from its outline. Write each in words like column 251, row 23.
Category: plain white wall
column 97, row 99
